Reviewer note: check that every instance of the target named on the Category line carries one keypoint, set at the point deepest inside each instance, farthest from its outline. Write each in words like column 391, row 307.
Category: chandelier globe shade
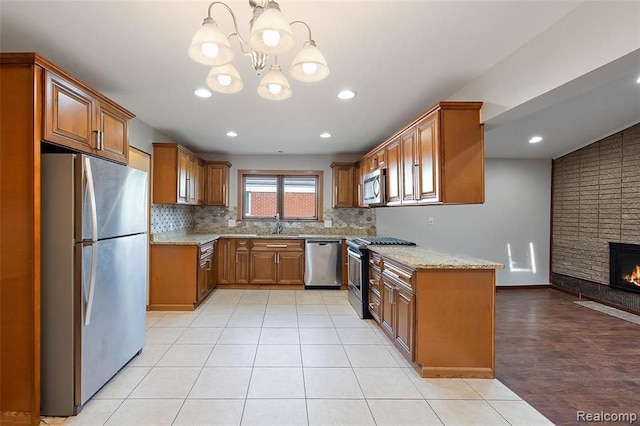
column 209, row 46
column 309, row 64
column 271, row 32
column 224, row 79
column 274, row 85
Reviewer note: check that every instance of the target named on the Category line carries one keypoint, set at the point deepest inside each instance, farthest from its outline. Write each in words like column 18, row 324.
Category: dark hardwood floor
column 561, row 357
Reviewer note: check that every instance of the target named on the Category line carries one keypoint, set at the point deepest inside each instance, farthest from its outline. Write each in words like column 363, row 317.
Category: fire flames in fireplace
column 634, row 276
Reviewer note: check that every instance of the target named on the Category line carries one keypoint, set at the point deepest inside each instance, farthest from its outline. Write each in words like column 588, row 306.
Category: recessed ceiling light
column 325, row 135
column 346, row 94
column 232, row 134
column 202, row 93
column 638, row 80
column 535, row 139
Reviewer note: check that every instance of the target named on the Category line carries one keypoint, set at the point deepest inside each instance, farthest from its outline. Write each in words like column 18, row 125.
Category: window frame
column 281, row 174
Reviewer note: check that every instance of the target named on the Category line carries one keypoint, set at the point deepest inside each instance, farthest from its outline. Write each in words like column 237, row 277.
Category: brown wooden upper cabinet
column 217, row 183
column 77, row 118
column 176, row 174
column 344, row 194
column 438, row 158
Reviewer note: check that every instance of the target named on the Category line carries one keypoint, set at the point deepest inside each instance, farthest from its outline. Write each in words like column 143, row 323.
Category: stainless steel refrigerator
column 94, row 276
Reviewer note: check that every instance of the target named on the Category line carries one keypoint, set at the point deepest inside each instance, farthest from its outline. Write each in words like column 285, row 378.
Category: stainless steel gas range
column 358, row 269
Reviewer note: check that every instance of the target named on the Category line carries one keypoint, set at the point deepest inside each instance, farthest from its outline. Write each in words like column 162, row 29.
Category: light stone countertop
column 419, row 257
column 194, row 238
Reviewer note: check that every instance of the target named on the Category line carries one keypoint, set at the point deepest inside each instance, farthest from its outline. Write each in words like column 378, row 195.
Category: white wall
column 141, row 136
column 280, row 162
column 516, row 212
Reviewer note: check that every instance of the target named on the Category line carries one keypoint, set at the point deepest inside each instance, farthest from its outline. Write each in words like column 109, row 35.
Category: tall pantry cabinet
column 38, row 102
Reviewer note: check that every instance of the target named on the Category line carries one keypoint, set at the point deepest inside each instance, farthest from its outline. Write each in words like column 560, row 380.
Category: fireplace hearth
column 624, row 266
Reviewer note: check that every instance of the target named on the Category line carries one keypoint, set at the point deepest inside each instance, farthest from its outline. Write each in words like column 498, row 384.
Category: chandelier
column 270, row 35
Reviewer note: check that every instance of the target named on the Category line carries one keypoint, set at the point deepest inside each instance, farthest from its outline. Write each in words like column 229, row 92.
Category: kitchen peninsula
column 437, row 308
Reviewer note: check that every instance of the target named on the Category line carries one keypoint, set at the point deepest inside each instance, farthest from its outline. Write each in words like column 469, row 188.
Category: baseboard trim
column 522, row 287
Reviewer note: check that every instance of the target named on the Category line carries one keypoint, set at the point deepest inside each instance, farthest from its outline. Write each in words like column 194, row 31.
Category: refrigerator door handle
column 94, row 238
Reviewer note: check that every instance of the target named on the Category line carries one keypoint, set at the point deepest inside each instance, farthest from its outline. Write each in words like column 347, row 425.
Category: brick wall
column 596, row 193
column 297, row 204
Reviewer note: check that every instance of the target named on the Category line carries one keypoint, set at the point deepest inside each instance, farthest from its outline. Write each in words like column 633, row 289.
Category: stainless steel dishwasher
column 323, row 265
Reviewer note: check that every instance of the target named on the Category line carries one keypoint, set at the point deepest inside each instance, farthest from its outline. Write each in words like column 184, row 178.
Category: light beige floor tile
column 281, row 300
column 324, row 356
column 145, row 412
column 312, row 310
column 245, row 320
column 280, row 320
column 239, row 336
column 211, row 320
column 210, row 412
column 340, row 309
column 370, row 356
column 232, row 356
column 150, row 356
column 319, row 336
column 331, row 383
column 250, row 309
column 309, row 298
column 519, row 413
column 185, row 356
column 492, row 389
column 178, row 320
column 334, row 412
column 358, row 336
column 275, row 412
column 399, row 357
column 163, row 336
column 251, row 298
column 349, row 321
column 217, row 309
column 406, row 412
column 441, row 388
column 278, row 356
column 166, row 382
column 279, row 336
column 200, row 336
column 221, row 382
column 282, row 293
column 281, row 310
column 95, row 412
column 315, row 321
column 276, row 382
column 466, row 412
column 156, row 314
column 386, row 383
column 121, row 385
column 339, row 301
column 151, row 321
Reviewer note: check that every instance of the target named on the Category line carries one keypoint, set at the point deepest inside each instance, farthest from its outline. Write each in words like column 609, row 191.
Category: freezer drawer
column 323, row 266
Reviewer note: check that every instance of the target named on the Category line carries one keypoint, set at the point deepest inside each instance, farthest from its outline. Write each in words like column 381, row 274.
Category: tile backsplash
column 169, row 218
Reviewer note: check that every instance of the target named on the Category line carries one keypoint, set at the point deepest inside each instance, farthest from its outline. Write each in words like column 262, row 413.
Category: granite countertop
column 197, row 238
column 419, row 257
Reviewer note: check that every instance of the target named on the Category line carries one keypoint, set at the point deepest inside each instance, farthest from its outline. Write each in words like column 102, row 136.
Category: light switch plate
column 232, row 223
column 327, row 224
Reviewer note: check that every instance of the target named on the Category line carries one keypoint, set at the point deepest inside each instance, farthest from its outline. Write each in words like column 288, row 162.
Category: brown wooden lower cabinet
column 260, row 261
column 442, row 320
column 182, row 276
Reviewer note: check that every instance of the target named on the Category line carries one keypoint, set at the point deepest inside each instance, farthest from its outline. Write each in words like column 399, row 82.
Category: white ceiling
column 400, row 57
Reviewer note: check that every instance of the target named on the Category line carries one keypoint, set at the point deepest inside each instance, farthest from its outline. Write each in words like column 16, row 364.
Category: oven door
column 354, row 275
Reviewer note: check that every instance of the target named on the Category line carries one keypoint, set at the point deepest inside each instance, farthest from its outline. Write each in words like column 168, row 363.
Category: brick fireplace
column 594, row 202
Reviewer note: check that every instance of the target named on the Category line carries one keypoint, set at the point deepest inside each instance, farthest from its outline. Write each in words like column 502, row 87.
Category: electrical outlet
column 430, row 221
column 327, row 224
column 232, row 223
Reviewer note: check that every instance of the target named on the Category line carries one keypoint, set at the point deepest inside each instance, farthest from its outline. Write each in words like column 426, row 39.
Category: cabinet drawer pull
column 277, row 245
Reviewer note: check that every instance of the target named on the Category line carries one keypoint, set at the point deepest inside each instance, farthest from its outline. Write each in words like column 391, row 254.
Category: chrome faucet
column 279, row 227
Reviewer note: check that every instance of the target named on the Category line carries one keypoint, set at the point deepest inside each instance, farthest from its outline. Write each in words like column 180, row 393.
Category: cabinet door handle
column 224, row 192
column 416, row 182
column 101, row 140
column 209, row 263
column 275, row 258
column 359, row 194
column 392, row 296
column 97, row 138
column 277, row 245
column 236, row 257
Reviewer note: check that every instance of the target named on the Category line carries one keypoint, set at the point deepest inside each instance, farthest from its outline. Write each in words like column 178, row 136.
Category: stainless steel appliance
column 358, row 269
column 374, row 188
column 94, row 276
column 323, row 267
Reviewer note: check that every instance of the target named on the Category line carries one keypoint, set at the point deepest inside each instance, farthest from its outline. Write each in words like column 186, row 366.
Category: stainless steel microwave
column 373, row 188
